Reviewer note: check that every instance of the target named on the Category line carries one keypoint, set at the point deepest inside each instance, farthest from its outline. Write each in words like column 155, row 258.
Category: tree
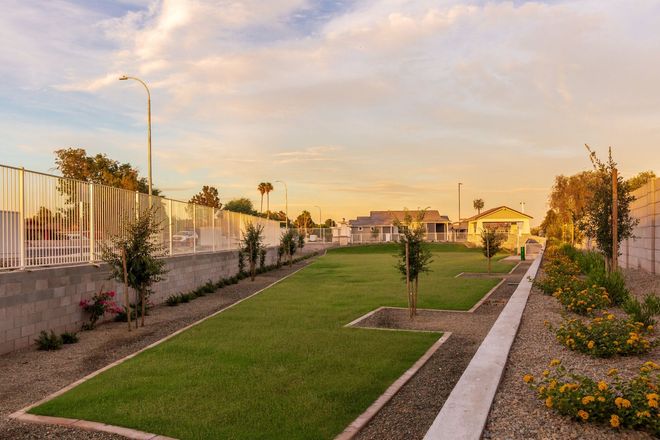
column 478, row 205
column 414, row 255
column 262, row 190
column 252, row 247
column 304, row 220
column 268, row 188
column 569, row 199
column 143, row 265
column 242, row 205
column 597, row 223
column 491, row 241
column 551, row 227
column 289, row 244
column 74, row 163
column 640, row 180
column 208, row 196
column 329, row 223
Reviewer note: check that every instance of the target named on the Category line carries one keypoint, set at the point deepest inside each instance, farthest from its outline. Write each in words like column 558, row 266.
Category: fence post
column 654, row 214
column 21, row 217
column 137, row 205
column 194, row 230
column 92, row 232
column 169, row 225
column 213, row 229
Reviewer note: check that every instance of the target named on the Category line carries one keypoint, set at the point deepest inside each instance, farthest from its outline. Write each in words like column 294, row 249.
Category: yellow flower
column 620, row 402
column 591, row 344
column 643, row 414
column 652, row 396
column 586, row 400
column 653, row 403
column 602, row 385
column 652, row 364
column 610, row 316
column 552, row 384
column 528, row 378
column 546, row 372
column 601, row 399
column 614, row 421
column 650, row 328
column 563, row 388
column 555, row 362
column 612, row 372
column 583, row 414
column 548, row 402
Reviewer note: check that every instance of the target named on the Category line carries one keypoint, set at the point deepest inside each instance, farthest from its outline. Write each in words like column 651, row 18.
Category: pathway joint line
column 463, row 415
column 24, row 416
column 363, row 419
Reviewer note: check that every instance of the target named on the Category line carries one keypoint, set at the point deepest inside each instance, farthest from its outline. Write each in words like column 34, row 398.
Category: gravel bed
column 410, row 413
column 29, row 375
column 517, row 413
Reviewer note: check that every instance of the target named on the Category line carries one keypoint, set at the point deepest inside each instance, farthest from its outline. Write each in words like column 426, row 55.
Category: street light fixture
column 124, row 78
column 320, row 222
column 286, row 201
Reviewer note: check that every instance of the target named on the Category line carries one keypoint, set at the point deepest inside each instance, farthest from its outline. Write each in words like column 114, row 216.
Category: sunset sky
column 357, row 105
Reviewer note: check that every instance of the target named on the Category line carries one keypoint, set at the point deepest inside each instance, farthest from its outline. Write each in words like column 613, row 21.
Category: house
column 514, row 224
column 380, row 226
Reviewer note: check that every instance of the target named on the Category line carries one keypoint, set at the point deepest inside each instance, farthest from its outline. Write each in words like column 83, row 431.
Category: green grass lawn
column 280, row 365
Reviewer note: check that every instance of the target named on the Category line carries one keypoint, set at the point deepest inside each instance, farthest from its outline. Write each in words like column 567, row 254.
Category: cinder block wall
column 643, row 251
column 48, row 299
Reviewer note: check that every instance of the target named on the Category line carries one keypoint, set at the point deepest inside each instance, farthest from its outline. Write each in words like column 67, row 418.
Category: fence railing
column 48, row 220
column 387, row 237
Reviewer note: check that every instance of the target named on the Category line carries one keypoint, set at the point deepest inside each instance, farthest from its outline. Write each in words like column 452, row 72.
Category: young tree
column 208, row 196
column 144, row 267
column 74, row 163
column 598, row 223
column 304, row 220
column 569, row 199
column 491, row 241
column 262, row 190
column 289, row 243
column 414, row 256
column 478, row 205
column 253, row 238
column 242, row 205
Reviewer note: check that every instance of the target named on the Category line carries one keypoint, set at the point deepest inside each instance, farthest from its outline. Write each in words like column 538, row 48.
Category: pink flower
column 111, row 294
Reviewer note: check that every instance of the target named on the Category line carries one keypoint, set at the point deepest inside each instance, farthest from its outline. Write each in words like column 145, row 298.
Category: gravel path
column 29, row 375
column 410, row 413
column 517, row 413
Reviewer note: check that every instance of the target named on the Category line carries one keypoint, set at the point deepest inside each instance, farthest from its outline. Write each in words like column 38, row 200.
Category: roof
column 492, row 210
column 379, row 218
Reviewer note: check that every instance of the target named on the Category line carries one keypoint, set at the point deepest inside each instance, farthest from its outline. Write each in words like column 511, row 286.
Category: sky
column 358, row 105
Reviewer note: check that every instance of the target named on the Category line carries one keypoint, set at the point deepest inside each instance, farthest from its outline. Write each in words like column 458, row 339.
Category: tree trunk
column 268, row 205
column 127, row 300
column 489, row 265
column 408, row 286
column 136, row 307
column 415, row 296
column 144, row 307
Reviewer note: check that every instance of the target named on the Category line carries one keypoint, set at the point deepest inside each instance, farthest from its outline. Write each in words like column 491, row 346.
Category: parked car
column 185, row 237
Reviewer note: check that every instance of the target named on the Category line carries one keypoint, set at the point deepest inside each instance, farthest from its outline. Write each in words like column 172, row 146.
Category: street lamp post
column 459, row 203
column 286, row 201
column 124, row 78
column 320, row 222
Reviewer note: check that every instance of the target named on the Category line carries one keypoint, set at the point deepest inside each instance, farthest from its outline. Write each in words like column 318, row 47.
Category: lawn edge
column 363, row 419
column 24, row 416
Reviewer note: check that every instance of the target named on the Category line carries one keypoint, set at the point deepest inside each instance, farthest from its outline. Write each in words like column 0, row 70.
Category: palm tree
column 268, row 188
column 262, row 190
column 478, row 205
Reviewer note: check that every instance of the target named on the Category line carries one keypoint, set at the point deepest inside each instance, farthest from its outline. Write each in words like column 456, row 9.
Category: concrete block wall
column 48, row 298
column 643, row 251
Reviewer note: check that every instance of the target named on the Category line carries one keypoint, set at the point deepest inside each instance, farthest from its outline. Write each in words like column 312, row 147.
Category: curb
column 464, row 414
column 23, row 415
column 361, row 421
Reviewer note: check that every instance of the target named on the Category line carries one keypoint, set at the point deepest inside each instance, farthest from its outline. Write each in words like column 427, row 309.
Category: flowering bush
column 619, row 403
column 583, row 301
column 100, row 304
column 605, row 336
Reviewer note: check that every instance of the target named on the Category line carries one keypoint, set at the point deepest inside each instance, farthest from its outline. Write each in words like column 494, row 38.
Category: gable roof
column 493, row 210
column 379, row 218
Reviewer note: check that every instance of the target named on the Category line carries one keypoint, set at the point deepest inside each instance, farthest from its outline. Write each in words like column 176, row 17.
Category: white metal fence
column 48, row 220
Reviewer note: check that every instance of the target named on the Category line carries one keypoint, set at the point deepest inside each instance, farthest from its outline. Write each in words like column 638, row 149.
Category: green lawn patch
column 280, row 365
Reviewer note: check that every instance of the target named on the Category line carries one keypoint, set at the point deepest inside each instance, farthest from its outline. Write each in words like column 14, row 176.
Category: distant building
column 380, row 226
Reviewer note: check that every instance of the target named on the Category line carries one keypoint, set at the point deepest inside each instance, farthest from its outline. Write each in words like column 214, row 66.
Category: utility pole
column 459, row 202
column 615, row 220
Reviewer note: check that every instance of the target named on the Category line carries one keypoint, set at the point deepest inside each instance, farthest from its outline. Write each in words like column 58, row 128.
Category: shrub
column 618, row 403
column 184, row 298
column 643, row 311
column 69, row 337
column 100, row 304
column 613, row 282
column 585, row 301
column 173, row 300
column 605, row 336
column 550, row 283
column 590, row 261
column 48, row 341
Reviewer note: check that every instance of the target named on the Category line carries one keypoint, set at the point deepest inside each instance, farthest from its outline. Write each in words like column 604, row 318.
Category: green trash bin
column 522, row 253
